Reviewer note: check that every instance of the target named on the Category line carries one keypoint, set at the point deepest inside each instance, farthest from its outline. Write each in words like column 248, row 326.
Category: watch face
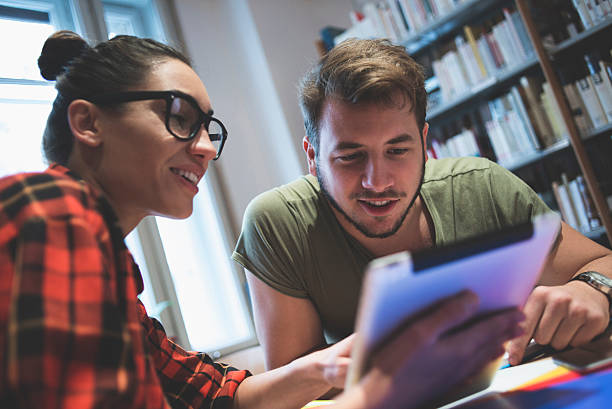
column 599, row 280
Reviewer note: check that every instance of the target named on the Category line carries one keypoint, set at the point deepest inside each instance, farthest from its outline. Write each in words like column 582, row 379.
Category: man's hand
column 569, row 314
column 425, row 360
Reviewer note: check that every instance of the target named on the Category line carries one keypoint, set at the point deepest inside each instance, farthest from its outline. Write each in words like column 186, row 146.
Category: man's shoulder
column 441, row 169
column 299, row 195
column 48, row 194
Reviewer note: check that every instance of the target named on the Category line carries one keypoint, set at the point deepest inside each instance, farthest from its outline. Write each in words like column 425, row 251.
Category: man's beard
column 361, row 227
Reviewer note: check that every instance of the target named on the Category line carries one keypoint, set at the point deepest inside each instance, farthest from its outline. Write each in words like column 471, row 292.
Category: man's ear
column 82, row 119
column 425, row 131
column 310, row 156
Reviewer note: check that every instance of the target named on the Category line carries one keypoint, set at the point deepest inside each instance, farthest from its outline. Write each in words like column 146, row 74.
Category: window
column 191, row 285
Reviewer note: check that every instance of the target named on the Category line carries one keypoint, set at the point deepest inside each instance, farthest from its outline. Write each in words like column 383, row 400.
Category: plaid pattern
column 72, row 332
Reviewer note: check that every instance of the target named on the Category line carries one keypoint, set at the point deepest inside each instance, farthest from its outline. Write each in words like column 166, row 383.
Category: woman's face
column 143, row 169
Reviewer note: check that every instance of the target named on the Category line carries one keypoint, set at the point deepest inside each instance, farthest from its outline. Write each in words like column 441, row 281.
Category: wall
column 250, row 55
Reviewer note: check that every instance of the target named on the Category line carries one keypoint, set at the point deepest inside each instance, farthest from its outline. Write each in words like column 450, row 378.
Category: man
column 372, row 191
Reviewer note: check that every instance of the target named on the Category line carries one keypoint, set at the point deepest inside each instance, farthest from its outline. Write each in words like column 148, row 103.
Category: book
column 579, row 111
column 602, row 86
column 589, row 96
column 400, row 21
column 529, row 89
column 583, row 13
column 513, row 35
column 581, row 215
column 469, row 35
column 521, row 110
column 587, row 201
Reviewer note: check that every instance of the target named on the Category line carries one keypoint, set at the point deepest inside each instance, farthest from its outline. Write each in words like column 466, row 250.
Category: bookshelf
column 429, row 42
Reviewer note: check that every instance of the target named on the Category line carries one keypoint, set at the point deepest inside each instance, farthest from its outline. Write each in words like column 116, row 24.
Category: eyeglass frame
column 168, row 96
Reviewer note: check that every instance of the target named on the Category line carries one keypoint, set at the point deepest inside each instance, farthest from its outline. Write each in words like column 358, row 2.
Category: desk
column 542, row 384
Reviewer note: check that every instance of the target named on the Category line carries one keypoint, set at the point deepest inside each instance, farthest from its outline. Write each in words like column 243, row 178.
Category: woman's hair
column 81, row 71
column 362, row 71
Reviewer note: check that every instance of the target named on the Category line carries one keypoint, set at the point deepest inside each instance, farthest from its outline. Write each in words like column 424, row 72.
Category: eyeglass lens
column 184, row 120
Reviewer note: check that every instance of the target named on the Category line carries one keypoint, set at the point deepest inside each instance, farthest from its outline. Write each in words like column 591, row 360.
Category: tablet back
column 501, row 267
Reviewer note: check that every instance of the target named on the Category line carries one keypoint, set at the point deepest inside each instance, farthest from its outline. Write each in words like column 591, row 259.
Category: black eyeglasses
column 183, row 115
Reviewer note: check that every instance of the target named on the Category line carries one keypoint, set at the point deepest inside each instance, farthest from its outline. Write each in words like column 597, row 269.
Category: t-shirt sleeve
column 271, row 244
column 515, row 201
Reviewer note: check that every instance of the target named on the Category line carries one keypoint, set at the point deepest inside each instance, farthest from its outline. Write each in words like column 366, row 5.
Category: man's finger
column 516, row 347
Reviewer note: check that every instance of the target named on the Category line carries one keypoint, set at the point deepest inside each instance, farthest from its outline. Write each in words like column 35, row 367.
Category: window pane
column 212, row 307
column 24, row 52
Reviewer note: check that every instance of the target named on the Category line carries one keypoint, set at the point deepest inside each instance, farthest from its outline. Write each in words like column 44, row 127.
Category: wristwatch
column 598, row 281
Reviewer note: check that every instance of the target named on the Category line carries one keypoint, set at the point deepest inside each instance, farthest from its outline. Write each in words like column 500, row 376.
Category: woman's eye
column 179, row 121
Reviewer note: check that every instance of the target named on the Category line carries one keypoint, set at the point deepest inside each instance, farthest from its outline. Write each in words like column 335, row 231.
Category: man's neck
column 416, row 233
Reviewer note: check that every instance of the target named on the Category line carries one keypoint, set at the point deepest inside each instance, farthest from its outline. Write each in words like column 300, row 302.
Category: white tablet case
column 502, row 277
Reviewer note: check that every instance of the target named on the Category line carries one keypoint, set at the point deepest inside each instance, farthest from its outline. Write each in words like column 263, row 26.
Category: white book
column 487, row 57
column 514, row 36
column 521, row 110
column 564, row 195
column 370, row 11
column 583, row 13
column 498, row 146
column 563, row 201
column 399, row 18
column 591, row 101
column 388, row 22
column 593, row 11
column 581, row 215
column 467, row 58
column 409, row 15
column 457, row 74
column 441, row 75
column 499, row 33
column 603, row 88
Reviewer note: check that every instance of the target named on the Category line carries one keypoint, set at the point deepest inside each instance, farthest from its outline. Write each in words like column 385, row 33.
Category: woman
column 131, row 134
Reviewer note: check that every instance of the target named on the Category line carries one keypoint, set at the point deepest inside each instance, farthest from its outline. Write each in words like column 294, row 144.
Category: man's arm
column 287, row 327
column 560, row 312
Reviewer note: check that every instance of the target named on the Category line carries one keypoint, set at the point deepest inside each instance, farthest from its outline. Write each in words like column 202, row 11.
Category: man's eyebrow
column 347, row 145
column 401, row 138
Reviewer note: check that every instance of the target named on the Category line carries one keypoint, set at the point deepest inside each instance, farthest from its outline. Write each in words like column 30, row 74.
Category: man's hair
column 362, row 71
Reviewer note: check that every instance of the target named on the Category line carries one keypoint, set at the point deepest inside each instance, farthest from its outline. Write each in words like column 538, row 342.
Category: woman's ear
column 83, row 119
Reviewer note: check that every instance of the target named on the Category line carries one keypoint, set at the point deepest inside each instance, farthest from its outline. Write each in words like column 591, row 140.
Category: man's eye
column 350, row 158
column 398, row 151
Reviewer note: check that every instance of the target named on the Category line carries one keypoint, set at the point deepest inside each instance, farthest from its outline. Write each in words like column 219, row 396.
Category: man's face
column 370, row 165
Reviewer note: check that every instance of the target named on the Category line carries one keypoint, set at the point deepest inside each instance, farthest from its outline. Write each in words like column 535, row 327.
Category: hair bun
column 59, row 49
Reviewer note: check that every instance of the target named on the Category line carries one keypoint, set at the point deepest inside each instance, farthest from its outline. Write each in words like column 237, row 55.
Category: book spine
column 564, row 193
column 581, row 216
column 513, row 35
column 591, row 101
column 583, row 13
column 561, row 202
column 579, row 111
column 409, row 15
column 589, row 206
column 469, row 35
column 603, row 87
column 398, row 17
column 524, row 116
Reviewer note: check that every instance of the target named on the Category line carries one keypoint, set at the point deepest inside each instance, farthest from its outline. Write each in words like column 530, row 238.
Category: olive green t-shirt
column 292, row 241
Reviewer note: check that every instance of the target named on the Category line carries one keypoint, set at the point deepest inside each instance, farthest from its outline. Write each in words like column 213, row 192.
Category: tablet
column 501, row 267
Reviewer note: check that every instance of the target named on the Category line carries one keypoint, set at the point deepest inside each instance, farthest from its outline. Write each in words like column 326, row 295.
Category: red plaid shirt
column 72, row 332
